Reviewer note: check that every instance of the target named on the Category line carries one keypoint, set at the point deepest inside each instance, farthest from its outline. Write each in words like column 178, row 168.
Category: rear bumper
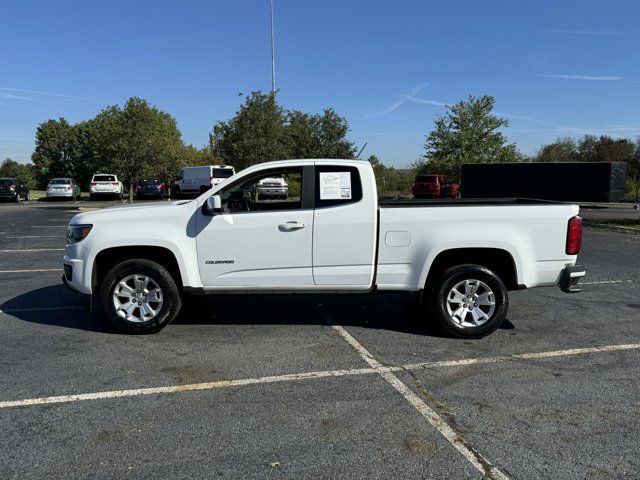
column 425, row 194
column 110, row 192
column 8, row 195
column 570, row 277
column 60, row 194
column 149, row 194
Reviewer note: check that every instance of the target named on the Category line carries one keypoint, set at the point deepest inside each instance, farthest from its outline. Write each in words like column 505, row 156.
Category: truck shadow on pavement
column 55, row 305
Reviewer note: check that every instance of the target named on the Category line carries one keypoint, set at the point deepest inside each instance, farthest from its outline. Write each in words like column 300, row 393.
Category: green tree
column 468, row 133
column 633, row 174
column 318, row 136
column 24, row 172
column 55, row 151
column 136, row 140
column 131, row 141
column 255, row 134
column 605, row 149
column 263, row 131
column 390, row 181
column 562, row 150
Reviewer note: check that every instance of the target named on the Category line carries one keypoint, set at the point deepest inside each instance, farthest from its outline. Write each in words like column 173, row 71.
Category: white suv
column 105, row 184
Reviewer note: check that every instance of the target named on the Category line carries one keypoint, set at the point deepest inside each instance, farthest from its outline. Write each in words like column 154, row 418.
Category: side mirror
column 214, row 204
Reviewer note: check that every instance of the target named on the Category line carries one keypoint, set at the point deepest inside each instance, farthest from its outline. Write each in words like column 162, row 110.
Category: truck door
column 344, row 227
column 261, row 241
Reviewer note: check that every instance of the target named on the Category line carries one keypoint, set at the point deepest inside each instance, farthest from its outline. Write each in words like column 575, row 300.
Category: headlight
column 78, row 233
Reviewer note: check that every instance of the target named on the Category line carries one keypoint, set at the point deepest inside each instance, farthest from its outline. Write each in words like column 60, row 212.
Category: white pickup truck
column 330, row 234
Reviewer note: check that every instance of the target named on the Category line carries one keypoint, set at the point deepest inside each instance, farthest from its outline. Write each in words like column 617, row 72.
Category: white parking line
column 186, row 388
column 606, row 282
column 32, row 270
column 458, row 442
column 33, row 250
column 379, row 369
column 521, row 356
column 48, row 226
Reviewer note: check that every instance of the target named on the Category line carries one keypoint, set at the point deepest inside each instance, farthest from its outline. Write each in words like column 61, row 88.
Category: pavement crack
column 449, row 414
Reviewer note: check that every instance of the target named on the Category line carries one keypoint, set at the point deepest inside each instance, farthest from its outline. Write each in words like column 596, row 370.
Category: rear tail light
column 114, row 183
column 68, row 187
column 161, row 186
column 12, row 187
column 138, row 187
column 93, row 184
column 574, row 235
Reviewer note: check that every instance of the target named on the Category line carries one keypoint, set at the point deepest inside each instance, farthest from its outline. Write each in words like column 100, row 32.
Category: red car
column 431, row 185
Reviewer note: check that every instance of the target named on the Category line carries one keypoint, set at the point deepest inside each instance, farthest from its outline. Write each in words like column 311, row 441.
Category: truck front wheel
column 139, row 296
column 469, row 301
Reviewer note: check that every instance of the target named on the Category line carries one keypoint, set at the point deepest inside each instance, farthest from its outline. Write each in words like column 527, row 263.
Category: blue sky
column 556, row 68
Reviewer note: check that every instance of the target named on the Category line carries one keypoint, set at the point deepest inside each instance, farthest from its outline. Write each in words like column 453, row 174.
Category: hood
column 130, row 213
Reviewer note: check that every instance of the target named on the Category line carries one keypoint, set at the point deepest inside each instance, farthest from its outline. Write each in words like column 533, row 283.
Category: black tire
column 176, row 192
column 437, row 299
column 119, row 197
column 27, row 197
column 172, row 301
column 92, row 197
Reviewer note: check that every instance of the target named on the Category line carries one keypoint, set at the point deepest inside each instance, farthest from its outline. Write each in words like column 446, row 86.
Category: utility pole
column 273, row 54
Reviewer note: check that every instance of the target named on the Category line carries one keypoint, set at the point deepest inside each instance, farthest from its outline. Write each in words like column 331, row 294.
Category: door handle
column 290, row 226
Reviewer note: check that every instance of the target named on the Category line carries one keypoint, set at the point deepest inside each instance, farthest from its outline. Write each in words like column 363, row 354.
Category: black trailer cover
column 562, row 181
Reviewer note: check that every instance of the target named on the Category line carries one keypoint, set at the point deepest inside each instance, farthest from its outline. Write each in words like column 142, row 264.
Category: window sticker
column 335, row 185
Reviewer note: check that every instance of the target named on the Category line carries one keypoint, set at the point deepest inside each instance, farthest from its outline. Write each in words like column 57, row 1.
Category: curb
column 612, row 228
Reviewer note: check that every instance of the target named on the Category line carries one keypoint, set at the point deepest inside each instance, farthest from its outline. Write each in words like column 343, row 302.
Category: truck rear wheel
column 469, row 301
column 139, row 296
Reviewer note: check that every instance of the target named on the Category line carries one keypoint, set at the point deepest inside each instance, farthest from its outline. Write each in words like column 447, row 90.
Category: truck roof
column 310, row 161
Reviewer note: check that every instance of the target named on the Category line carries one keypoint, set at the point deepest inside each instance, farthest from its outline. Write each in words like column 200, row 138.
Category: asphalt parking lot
column 300, row 387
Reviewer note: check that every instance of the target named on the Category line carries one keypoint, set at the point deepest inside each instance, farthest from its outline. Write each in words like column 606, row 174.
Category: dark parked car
column 434, row 186
column 150, row 187
column 13, row 189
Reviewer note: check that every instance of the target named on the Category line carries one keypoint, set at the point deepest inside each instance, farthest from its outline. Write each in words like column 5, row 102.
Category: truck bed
column 413, row 233
column 452, row 202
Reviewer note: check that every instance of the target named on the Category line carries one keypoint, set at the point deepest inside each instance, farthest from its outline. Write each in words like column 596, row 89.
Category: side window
column 268, row 190
column 337, row 185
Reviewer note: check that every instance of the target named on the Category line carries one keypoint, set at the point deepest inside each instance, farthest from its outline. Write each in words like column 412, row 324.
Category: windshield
column 104, row 178
column 149, row 181
column 221, row 172
column 427, row 178
column 60, row 181
column 6, row 181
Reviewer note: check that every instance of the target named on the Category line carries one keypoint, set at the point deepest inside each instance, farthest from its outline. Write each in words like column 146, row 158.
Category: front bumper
column 273, row 192
column 570, row 277
column 87, row 298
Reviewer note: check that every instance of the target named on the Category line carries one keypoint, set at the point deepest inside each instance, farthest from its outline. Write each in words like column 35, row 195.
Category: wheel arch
column 498, row 260
column 109, row 257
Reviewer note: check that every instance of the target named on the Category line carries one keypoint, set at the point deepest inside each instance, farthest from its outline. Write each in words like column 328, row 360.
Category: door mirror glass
column 214, row 204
